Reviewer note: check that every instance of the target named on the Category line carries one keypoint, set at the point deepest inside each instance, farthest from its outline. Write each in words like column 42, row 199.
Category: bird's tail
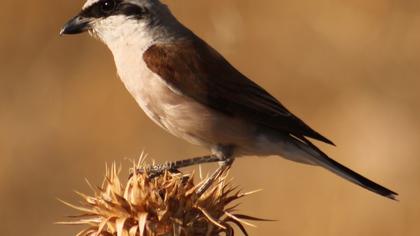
column 320, row 158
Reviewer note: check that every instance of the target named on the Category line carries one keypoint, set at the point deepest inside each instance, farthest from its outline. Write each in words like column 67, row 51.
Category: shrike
column 187, row 88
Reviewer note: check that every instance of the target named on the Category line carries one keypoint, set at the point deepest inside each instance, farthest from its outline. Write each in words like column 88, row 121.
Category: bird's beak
column 77, row 25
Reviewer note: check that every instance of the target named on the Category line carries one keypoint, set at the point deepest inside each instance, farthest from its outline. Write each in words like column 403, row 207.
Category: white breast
column 139, row 80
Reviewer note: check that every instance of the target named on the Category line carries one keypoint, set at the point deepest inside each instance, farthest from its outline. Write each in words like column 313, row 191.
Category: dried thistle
column 164, row 205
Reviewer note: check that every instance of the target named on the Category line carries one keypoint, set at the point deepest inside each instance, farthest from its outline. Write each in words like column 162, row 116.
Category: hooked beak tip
column 62, row 31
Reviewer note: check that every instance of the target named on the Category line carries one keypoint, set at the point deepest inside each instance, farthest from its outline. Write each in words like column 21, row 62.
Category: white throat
column 129, row 34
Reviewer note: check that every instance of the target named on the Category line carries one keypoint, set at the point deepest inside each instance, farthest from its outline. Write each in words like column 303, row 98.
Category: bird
column 190, row 90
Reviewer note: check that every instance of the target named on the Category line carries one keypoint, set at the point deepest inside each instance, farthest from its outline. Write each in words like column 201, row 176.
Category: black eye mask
column 105, row 8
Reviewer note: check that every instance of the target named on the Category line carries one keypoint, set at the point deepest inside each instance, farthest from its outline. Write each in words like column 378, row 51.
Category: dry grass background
column 348, row 68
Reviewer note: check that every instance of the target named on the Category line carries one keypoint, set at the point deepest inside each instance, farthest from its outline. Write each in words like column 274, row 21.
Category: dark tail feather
column 323, row 160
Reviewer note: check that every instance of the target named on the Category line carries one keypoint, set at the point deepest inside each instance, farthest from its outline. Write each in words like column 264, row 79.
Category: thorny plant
column 165, row 205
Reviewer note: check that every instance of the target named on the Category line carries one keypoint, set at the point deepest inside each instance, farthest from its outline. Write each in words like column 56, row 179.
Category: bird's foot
column 156, row 170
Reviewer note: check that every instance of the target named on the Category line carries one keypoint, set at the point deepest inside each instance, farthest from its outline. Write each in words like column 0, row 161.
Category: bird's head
column 111, row 20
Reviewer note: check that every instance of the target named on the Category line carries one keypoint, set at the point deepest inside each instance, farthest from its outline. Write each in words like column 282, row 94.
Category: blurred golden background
column 348, row 68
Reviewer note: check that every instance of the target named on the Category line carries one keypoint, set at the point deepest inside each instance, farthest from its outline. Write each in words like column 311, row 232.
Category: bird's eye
column 108, row 6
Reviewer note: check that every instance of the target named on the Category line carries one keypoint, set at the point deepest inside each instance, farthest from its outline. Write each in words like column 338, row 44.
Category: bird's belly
column 187, row 119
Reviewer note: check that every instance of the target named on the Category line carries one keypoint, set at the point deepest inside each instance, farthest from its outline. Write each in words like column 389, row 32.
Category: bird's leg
column 173, row 166
column 225, row 155
column 224, row 166
column 221, row 154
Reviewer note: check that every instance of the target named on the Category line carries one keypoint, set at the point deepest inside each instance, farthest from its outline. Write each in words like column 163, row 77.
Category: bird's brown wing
column 196, row 70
